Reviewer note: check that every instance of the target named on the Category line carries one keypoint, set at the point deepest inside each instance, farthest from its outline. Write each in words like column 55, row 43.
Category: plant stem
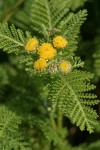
column 60, row 119
column 53, row 122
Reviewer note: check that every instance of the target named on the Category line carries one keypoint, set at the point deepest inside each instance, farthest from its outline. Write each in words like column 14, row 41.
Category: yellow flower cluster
column 31, row 45
column 48, row 51
column 40, row 64
column 59, row 42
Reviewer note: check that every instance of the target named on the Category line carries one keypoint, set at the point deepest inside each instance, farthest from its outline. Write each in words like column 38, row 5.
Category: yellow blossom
column 59, row 42
column 65, row 66
column 40, row 64
column 31, row 45
column 47, row 51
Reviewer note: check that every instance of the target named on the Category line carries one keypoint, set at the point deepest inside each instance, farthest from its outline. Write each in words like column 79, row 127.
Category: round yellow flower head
column 60, row 42
column 31, row 45
column 40, row 64
column 65, row 66
column 47, row 51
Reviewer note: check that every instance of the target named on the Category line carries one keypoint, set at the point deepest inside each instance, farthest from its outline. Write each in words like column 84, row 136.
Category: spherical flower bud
column 65, row 66
column 53, row 68
column 40, row 64
column 47, row 51
column 31, row 45
column 59, row 42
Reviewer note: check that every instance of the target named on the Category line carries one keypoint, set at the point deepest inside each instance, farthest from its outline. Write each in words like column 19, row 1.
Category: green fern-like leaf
column 11, row 39
column 14, row 141
column 46, row 15
column 72, row 27
column 41, row 15
column 10, row 137
column 71, row 93
column 9, row 121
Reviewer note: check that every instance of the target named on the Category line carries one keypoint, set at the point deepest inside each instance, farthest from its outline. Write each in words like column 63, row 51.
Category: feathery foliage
column 10, row 136
column 33, row 108
column 9, row 122
column 45, row 15
column 19, row 18
column 71, row 93
column 73, row 28
column 11, row 40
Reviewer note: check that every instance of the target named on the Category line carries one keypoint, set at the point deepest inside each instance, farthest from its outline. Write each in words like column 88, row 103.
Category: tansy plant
column 49, row 54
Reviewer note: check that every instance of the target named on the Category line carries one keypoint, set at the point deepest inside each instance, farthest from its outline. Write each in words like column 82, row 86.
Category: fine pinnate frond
column 10, row 136
column 71, row 93
column 75, row 23
column 77, row 62
column 15, row 141
column 59, row 9
column 58, row 12
column 9, row 121
column 41, row 16
column 46, row 15
column 11, row 39
column 71, row 28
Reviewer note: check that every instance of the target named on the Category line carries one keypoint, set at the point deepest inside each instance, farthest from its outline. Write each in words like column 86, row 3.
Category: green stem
column 59, row 124
column 60, row 119
column 52, row 118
